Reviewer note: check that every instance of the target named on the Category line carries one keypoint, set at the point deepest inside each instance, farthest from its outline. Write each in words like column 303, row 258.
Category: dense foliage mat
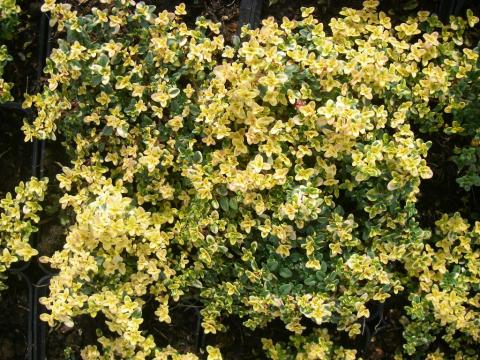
column 275, row 179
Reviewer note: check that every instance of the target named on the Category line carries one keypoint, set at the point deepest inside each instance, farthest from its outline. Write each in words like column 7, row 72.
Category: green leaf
column 285, row 289
column 410, row 5
column 103, row 60
column 221, row 190
column 173, row 92
column 96, row 80
column 233, row 204
column 236, row 41
column 197, row 157
column 224, row 204
column 272, row 264
column 196, row 283
column 137, row 314
column 290, row 69
column 310, row 281
column 106, row 131
column 295, row 256
column 286, row 273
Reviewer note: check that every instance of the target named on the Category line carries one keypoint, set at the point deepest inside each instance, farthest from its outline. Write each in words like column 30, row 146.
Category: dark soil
column 22, row 71
column 185, row 334
column 51, row 236
column 240, row 343
column 15, row 154
column 63, row 343
column 441, row 194
column 382, row 333
column 182, row 333
column 14, row 318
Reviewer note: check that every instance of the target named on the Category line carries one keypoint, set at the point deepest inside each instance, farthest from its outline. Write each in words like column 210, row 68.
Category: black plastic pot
column 451, row 7
column 39, row 328
column 250, row 13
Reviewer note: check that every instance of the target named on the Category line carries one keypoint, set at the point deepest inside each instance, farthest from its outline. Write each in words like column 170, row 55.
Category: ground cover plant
column 278, row 179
